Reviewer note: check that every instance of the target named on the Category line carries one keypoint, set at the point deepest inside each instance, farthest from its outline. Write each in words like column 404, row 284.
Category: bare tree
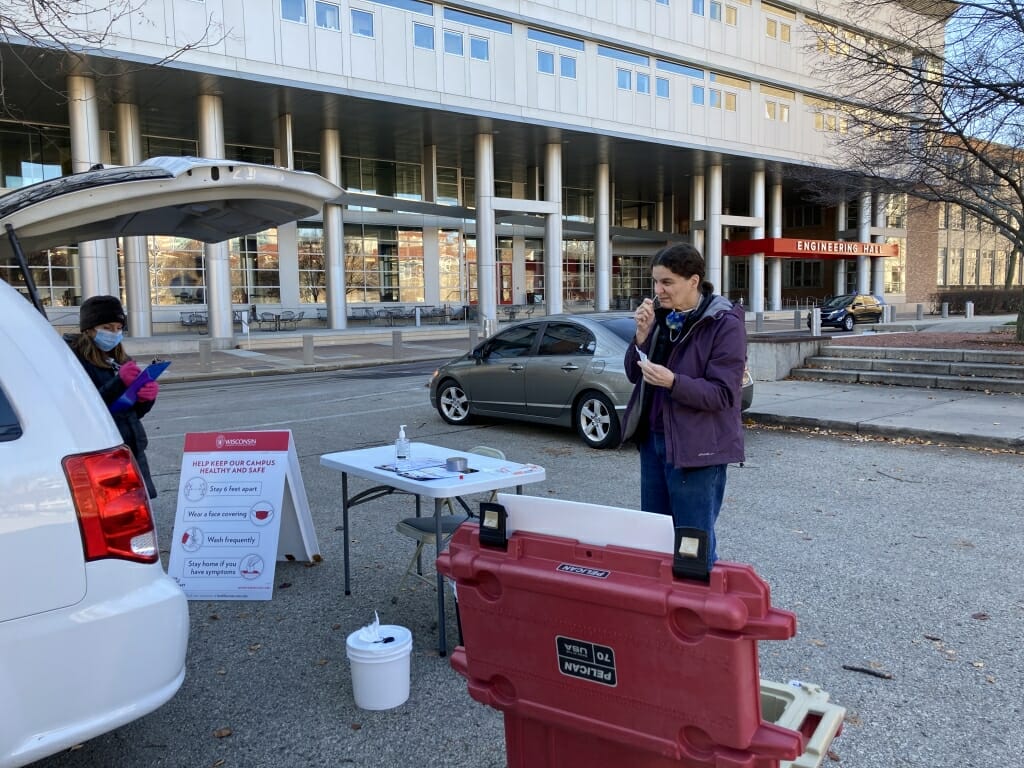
column 73, row 30
column 931, row 104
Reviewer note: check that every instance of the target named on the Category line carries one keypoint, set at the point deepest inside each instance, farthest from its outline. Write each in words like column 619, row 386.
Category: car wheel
column 848, row 323
column 453, row 403
column 596, row 421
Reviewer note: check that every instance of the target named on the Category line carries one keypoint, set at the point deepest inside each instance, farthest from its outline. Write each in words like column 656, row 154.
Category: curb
column 1016, row 445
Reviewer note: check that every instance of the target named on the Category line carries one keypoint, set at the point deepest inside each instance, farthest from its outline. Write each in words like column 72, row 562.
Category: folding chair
column 423, row 529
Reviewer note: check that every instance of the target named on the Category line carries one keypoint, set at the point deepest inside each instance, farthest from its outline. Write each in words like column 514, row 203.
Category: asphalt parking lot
column 896, row 558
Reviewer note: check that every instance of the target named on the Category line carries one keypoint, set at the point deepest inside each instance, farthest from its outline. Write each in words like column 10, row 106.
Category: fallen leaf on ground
column 980, row 616
column 222, row 733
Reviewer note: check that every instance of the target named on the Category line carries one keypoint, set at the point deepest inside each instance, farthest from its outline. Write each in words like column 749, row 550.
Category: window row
column 454, row 42
column 624, row 81
column 956, row 217
column 714, row 11
column 974, row 267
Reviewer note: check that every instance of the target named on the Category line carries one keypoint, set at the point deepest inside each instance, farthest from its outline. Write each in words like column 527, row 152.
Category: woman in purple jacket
column 687, row 367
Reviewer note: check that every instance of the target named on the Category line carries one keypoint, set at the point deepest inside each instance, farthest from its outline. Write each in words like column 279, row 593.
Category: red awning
column 798, row 248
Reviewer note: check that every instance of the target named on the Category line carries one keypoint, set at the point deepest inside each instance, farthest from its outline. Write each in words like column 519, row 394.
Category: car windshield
column 623, row 327
column 838, row 301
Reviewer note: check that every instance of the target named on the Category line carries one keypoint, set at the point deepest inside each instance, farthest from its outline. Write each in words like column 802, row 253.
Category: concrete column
column 430, row 173
column 210, row 109
column 487, row 300
column 553, row 284
column 138, row 306
column 756, row 271
column 839, row 270
column 84, row 122
column 877, row 263
column 713, row 233
column 283, row 152
column 602, row 238
column 334, row 232
column 864, row 236
column 288, row 264
column 697, row 212
column 775, row 265
column 431, row 266
column 287, row 234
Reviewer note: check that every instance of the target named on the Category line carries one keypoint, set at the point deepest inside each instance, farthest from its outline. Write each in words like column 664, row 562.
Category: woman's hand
column 658, row 375
column 148, row 391
column 644, row 317
column 128, row 372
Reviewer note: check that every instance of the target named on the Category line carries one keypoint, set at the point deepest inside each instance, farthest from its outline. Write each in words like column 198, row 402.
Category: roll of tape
column 456, row 464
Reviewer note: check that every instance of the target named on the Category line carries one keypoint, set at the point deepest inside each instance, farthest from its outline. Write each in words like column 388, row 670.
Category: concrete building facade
column 501, row 153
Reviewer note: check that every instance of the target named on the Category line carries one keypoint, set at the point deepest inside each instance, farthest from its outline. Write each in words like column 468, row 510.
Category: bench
column 197, row 320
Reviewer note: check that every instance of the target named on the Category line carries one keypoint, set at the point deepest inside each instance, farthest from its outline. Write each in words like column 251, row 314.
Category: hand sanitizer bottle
column 401, row 445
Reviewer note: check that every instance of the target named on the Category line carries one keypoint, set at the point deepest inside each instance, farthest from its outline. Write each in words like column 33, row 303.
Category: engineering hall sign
column 797, row 248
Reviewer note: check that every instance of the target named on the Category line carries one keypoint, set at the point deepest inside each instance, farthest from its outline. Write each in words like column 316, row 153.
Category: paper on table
column 410, row 465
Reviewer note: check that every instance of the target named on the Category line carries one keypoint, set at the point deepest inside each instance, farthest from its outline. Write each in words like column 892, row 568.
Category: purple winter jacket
column 702, row 422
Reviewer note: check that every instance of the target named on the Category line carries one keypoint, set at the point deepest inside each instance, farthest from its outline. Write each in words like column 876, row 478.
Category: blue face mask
column 675, row 320
column 107, row 340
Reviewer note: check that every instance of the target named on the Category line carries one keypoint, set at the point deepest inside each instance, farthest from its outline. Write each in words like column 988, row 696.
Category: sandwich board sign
column 241, row 508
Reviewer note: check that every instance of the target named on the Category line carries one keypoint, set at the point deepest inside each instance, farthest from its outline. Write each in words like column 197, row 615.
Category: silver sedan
column 564, row 370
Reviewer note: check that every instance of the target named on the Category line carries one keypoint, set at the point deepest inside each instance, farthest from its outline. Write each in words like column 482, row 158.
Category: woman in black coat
column 98, row 348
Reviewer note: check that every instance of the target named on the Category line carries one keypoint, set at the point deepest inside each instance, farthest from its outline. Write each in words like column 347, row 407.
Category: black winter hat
column 98, row 310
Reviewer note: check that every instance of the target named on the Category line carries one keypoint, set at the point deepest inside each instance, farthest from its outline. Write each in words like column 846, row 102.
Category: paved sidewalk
column 953, row 417
column 946, row 416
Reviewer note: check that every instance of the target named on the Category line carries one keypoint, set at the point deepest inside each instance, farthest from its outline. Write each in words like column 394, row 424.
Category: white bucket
column 380, row 669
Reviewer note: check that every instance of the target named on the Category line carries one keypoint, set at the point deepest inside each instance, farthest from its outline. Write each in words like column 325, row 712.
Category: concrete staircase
column 968, row 369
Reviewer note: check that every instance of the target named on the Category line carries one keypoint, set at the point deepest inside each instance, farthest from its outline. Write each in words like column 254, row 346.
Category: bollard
column 969, row 310
column 417, row 317
column 816, row 322
column 205, row 350
column 920, row 311
column 474, row 337
column 759, row 321
column 396, row 344
column 307, row 349
column 796, row 318
column 945, row 309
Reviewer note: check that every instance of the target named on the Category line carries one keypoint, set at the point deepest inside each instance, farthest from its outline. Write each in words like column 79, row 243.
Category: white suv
column 93, row 632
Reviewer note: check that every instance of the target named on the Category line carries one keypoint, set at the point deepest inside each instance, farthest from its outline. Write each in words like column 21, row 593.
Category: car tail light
column 113, row 506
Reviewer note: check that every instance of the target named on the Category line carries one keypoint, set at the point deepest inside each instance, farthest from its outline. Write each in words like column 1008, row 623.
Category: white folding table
column 489, row 474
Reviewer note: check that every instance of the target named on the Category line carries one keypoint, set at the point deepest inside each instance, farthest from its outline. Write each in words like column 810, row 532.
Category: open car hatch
column 206, row 200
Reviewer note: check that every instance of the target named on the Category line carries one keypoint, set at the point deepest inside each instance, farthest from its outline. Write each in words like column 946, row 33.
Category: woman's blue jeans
column 692, row 496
